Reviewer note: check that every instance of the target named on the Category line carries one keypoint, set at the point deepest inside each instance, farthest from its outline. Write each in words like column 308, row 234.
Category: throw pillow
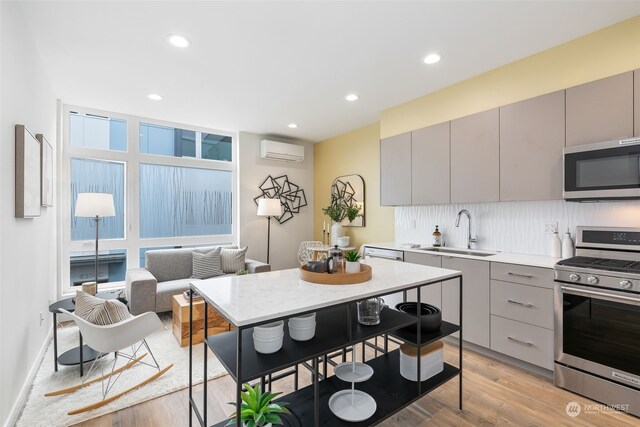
column 233, row 259
column 206, row 265
column 100, row 311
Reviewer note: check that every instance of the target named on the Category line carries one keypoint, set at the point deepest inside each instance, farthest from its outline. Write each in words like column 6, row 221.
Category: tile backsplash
column 510, row 226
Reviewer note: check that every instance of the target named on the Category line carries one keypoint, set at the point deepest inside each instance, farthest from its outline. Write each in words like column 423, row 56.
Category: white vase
column 353, row 267
column 336, row 231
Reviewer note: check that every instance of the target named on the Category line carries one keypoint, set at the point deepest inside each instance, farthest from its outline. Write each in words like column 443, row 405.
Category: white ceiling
column 257, row 66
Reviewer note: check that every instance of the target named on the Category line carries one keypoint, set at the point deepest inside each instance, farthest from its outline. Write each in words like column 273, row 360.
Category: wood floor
column 494, row 393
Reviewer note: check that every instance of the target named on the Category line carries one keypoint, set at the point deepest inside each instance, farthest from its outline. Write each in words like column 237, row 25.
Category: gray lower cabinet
column 430, row 164
column 528, row 304
column 522, row 312
column 395, row 170
column 532, row 136
column 475, row 158
column 475, row 298
column 431, row 294
column 601, row 110
column 636, row 101
column 522, row 341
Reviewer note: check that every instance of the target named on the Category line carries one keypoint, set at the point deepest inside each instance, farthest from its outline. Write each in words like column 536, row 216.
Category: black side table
column 74, row 356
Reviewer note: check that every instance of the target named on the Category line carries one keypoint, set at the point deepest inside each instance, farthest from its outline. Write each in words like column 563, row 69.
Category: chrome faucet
column 469, row 239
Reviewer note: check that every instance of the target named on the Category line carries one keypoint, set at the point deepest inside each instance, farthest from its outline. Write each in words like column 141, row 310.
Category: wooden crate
column 217, row 323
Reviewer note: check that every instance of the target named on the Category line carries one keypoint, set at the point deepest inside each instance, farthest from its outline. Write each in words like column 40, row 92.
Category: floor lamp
column 96, row 206
column 269, row 208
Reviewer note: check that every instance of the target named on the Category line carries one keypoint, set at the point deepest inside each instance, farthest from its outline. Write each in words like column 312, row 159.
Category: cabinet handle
column 526, row 276
column 519, row 303
column 529, row 344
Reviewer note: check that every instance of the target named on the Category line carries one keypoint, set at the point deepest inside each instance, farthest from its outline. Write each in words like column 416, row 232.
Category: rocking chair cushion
column 99, row 311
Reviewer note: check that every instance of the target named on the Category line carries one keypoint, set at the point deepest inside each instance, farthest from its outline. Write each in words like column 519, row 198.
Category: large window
column 172, row 187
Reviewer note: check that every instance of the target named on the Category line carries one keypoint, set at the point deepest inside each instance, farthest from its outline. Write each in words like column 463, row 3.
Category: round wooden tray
column 340, row 278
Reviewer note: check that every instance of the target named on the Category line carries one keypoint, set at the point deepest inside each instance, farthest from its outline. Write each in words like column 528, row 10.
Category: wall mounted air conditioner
column 275, row 150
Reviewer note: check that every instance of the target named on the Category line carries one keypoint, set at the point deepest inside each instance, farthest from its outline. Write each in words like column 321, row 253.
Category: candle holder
column 323, row 234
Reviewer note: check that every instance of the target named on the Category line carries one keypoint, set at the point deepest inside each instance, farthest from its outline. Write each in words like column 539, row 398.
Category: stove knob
column 626, row 284
column 574, row 277
column 592, row 280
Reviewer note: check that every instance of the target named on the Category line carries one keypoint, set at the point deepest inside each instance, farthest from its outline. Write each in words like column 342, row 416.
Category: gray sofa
column 167, row 273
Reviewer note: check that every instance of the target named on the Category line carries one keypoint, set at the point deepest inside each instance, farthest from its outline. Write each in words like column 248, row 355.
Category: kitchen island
column 251, row 300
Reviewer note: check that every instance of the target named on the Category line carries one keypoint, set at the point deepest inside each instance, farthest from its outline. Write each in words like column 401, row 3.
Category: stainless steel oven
column 597, row 317
column 602, row 171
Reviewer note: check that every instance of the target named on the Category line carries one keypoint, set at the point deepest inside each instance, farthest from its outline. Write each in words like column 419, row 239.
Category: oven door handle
column 623, row 299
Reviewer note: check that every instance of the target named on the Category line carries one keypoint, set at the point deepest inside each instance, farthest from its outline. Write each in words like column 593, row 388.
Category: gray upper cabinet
column 475, row 158
column 636, row 100
column 395, row 170
column 430, row 165
column 601, row 110
column 475, row 301
column 532, row 136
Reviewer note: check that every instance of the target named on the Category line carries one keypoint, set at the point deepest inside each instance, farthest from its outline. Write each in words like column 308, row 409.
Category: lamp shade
column 269, row 207
column 95, row 204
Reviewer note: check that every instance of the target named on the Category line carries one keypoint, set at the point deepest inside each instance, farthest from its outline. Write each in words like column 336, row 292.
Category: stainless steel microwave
column 602, row 171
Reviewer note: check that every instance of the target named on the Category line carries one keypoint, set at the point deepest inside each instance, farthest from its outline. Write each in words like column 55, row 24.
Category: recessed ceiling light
column 292, row 125
column 351, row 97
column 432, row 58
column 154, row 97
column 178, row 41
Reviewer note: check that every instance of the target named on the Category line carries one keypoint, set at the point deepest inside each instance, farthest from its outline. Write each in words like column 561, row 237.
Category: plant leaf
column 273, row 419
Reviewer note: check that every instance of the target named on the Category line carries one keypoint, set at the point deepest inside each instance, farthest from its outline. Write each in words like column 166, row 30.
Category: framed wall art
column 28, row 176
column 46, row 170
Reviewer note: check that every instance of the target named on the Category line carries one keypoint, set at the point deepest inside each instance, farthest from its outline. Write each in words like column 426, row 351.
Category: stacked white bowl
column 302, row 328
column 268, row 338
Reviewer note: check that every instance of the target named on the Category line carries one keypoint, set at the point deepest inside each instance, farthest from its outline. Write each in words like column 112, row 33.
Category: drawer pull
column 522, row 304
column 526, row 276
column 529, row 344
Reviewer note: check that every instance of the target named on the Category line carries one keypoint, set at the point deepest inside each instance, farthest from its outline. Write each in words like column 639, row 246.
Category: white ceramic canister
column 431, row 361
column 567, row 245
column 555, row 249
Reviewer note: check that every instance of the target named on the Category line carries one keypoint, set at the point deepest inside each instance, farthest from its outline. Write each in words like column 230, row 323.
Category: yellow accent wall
column 600, row 54
column 355, row 152
column 606, row 52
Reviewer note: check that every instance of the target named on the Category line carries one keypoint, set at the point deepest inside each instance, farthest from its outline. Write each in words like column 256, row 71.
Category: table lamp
column 96, row 206
column 269, row 207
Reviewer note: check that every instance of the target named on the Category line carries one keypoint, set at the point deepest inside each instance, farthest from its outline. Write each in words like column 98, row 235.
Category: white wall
column 27, row 247
column 510, row 226
column 285, row 238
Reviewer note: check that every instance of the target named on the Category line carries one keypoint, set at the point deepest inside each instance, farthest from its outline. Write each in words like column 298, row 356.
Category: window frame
column 132, row 158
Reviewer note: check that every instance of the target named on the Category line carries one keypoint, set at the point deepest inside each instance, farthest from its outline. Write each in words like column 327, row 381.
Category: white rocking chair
column 112, row 339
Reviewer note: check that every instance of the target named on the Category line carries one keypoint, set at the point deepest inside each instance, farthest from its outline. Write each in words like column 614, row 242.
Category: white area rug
column 52, row 411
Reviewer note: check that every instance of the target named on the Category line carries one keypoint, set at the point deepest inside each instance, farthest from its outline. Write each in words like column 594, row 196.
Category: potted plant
column 336, row 212
column 352, row 212
column 352, row 263
column 257, row 408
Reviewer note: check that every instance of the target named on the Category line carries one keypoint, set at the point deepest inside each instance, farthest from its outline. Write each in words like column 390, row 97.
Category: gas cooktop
column 620, row 265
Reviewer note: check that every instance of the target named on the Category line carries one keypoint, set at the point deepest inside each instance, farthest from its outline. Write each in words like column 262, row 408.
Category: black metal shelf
column 390, row 390
column 332, row 334
column 411, row 337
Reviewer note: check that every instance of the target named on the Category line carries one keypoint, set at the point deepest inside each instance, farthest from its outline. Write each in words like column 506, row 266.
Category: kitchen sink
column 458, row 251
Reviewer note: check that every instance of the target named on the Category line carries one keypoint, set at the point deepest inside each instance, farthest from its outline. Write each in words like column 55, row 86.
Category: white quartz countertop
column 505, row 257
column 254, row 298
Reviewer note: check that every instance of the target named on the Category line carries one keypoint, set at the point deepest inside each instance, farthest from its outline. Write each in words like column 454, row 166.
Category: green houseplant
column 352, row 264
column 334, row 211
column 352, row 212
column 258, row 408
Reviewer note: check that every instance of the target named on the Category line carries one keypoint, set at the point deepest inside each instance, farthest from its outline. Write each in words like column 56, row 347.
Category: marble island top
column 254, row 298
